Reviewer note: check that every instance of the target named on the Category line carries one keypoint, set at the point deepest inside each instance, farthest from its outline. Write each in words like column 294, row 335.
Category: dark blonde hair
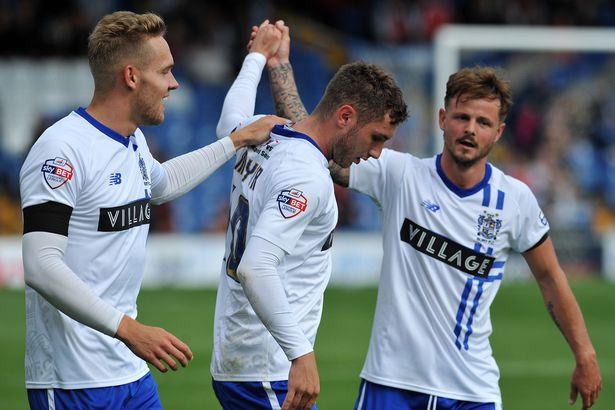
column 366, row 87
column 477, row 83
column 116, row 37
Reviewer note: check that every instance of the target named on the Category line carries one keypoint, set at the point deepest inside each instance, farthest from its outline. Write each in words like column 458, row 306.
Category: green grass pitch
column 534, row 359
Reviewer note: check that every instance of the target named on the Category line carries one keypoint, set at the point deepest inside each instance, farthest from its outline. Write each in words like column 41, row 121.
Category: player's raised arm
column 566, row 314
column 284, row 90
column 181, row 174
column 240, row 100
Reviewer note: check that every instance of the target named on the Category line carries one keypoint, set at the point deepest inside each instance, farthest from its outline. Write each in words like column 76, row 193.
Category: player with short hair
column 283, row 212
column 449, row 225
column 86, row 187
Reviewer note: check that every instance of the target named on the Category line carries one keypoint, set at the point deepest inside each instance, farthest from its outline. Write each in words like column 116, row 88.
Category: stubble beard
column 467, row 163
column 343, row 146
column 149, row 109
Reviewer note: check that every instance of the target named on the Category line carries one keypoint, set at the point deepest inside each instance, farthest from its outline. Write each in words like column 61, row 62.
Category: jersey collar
column 461, row 192
column 286, row 131
column 103, row 128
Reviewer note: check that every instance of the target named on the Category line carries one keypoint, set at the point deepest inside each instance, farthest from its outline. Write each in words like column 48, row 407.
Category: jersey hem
column 87, row 385
column 249, row 378
column 433, row 392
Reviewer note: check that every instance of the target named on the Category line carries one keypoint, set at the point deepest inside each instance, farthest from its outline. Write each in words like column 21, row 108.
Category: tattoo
column 340, row 176
column 285, row 94
column 551, row 309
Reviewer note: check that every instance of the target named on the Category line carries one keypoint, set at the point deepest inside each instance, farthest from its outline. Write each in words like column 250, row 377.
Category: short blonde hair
column 116, row 37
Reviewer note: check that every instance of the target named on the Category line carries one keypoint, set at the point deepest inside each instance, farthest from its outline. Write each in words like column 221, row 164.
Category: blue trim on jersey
column 479, row 293
column 141, row 394
column 498, row 264
column 460, row 192
column 288, row 132
column 492, row 278
column 487, row 195
column 466, row 291
column 500, row 202
column 462, row 308
column 103, row 128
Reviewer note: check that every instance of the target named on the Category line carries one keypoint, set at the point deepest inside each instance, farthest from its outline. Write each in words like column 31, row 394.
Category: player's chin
column 155, row 119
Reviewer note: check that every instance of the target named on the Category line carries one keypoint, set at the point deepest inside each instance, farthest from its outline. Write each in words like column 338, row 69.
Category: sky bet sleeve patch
column 57, row 172
column 291, row 202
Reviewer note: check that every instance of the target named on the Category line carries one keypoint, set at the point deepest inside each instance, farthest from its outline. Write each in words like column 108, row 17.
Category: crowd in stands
column 560, row 137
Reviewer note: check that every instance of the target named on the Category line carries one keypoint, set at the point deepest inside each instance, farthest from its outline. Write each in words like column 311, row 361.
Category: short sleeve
column 532, row 224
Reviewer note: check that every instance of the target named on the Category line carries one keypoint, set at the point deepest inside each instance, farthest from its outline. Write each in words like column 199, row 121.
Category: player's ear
column 441, row 116
column 130, row 76
column 500, row 131
column 346, row 116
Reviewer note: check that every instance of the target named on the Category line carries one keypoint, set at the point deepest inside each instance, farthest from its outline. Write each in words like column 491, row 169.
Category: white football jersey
column 107, row 180
column 445, row 253
column 282, row 192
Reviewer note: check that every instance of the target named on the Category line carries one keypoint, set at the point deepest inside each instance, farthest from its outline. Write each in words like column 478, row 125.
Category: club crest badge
column 291, row 203
column 488, row 227
column 143, row 168
column 57, row 172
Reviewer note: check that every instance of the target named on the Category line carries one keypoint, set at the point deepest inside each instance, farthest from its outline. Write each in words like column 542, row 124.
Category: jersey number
column 238, row 224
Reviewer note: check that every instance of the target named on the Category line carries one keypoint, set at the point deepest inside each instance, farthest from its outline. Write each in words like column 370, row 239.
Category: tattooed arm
column 340, row 176
column 283, row 87
column 566, row 314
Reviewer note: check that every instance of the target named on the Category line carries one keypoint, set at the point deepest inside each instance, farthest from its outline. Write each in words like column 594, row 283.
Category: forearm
column 185, row 172
column 240, row 100
column 264, row 289
column 46, row 273
column 566, row 313
column 286, row 98
column 340, row 176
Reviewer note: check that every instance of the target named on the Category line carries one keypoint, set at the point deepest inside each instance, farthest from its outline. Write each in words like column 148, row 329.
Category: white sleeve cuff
column 228, row 146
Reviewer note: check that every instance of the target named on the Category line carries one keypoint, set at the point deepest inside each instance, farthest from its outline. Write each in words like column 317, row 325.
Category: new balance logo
column 115, row 178
column 427, row 204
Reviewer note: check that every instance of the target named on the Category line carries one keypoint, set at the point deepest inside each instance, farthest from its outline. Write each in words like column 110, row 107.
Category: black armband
column 544, row 238
column 50, row 217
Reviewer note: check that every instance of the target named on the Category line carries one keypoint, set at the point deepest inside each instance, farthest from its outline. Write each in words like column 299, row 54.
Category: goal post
column 457, row 45
column 452, row 40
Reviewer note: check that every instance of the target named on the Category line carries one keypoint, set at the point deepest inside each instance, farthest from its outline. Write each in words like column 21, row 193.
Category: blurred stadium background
column 560, row 140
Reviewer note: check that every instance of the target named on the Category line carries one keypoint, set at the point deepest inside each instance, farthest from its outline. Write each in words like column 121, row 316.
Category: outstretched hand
column 153, row 344
column 256, row 132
